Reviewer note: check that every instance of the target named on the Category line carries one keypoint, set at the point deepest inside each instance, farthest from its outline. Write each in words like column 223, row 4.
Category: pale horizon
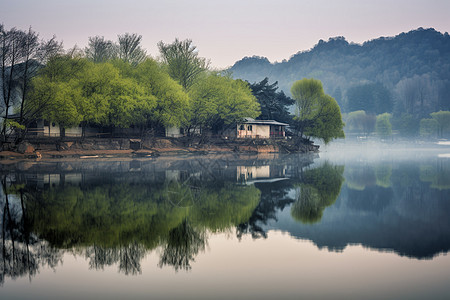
column 226, row 32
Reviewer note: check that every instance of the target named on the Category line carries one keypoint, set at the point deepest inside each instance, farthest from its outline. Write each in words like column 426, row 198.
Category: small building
column 174, row 131
column 52, row 129
column 45, row 128
column 265, row 173
column 264, row 129
column 177, row 132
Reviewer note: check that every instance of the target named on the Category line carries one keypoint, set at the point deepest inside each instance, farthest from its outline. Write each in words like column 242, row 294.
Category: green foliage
column 383, row 125
column 438, row 174
column 383, row 174
column 320, row 188
column 10, row 124
column 386, row 60
column 443, row 121
column 428, row 128
column 172, row 103
column 56, row 93
column 118, row 214
column 328, row 122
column 307, row 209
column 128, row 104
column 360, row 178
column 230, row 205
column 219, row 101
column 73, row 90
column 360, row 122
column 22, row 53
column 318, row 114
column 407, row 125
column 274, row 105
column 307, row 93
column 371, row 97
column 182, row 61
column 100, row 50
column 129, row 48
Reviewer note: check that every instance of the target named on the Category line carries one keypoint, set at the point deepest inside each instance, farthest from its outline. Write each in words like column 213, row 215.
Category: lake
column 348, row 223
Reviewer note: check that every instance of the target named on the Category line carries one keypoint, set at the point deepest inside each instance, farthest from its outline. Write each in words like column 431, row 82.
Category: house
column 250, row 128
column 177, row 132
column 174, row 131
column 42, row 127
column 264, row 129
column 265, row 173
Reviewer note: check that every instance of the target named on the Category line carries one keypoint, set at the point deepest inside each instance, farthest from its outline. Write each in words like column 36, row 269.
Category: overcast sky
column 226, row 31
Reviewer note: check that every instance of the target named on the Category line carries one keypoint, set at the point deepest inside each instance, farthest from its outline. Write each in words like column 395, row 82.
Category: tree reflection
column 383, row 173
column 128, row 257
column 117, row 221
column 182, row 246
column 358, row 178
column 308, row 207
column 100, row 257
column 437, row 174
column 274, row 197
column 320, row 188
column 22, row 252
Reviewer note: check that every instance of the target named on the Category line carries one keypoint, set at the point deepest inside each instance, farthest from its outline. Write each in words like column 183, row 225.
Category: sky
column 225, row 31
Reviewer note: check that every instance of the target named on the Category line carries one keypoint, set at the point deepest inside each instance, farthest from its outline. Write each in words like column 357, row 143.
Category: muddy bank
column 47, row 148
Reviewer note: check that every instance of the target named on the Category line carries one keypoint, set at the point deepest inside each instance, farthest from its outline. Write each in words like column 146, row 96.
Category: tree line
column 406, row 76
column 435, row 125
column 115, row 84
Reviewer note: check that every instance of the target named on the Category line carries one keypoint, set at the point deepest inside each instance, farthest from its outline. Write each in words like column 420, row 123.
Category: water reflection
column 387, row 205
column 319, row 188
column 22, row 253
column 183, row 244
column 115, row 213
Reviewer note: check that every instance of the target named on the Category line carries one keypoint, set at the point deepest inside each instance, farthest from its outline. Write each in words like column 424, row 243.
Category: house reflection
column 265, row 173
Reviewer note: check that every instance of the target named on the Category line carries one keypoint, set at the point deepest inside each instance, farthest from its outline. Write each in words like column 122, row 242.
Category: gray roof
column 263, row 122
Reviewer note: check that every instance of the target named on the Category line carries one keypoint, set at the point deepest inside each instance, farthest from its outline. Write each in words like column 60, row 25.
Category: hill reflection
column 400, row 207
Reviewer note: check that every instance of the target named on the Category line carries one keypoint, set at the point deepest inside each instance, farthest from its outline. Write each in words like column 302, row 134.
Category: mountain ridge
column 341, row 65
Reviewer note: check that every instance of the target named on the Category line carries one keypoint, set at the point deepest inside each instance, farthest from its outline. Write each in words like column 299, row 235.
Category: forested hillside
column 408, row 73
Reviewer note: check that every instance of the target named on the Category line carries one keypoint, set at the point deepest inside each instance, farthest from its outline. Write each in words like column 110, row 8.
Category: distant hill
column 410, row 70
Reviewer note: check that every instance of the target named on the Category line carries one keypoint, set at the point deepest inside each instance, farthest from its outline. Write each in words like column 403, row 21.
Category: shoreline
column 88, row 148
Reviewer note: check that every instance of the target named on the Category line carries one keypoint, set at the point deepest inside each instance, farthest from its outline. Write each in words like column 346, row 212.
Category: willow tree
column 129, row 48
column 171, row 101
column 443, row 121
column 182, row 61
column 100, row 50
column 383, row 125
column 22, row 53
column 318, row 114
column 72, row 90
column 220, row 101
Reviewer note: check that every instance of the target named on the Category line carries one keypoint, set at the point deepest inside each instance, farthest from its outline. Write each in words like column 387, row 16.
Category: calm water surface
column 345, row 224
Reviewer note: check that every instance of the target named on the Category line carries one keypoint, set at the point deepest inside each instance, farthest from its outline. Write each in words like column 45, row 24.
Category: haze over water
column 369, row 222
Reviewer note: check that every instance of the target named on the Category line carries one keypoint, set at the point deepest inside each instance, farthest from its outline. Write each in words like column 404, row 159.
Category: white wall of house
column 76, row 131
column 40, row 131
column 245, row 173
column 253, row 131
column 173, row 132
column 52, row 130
